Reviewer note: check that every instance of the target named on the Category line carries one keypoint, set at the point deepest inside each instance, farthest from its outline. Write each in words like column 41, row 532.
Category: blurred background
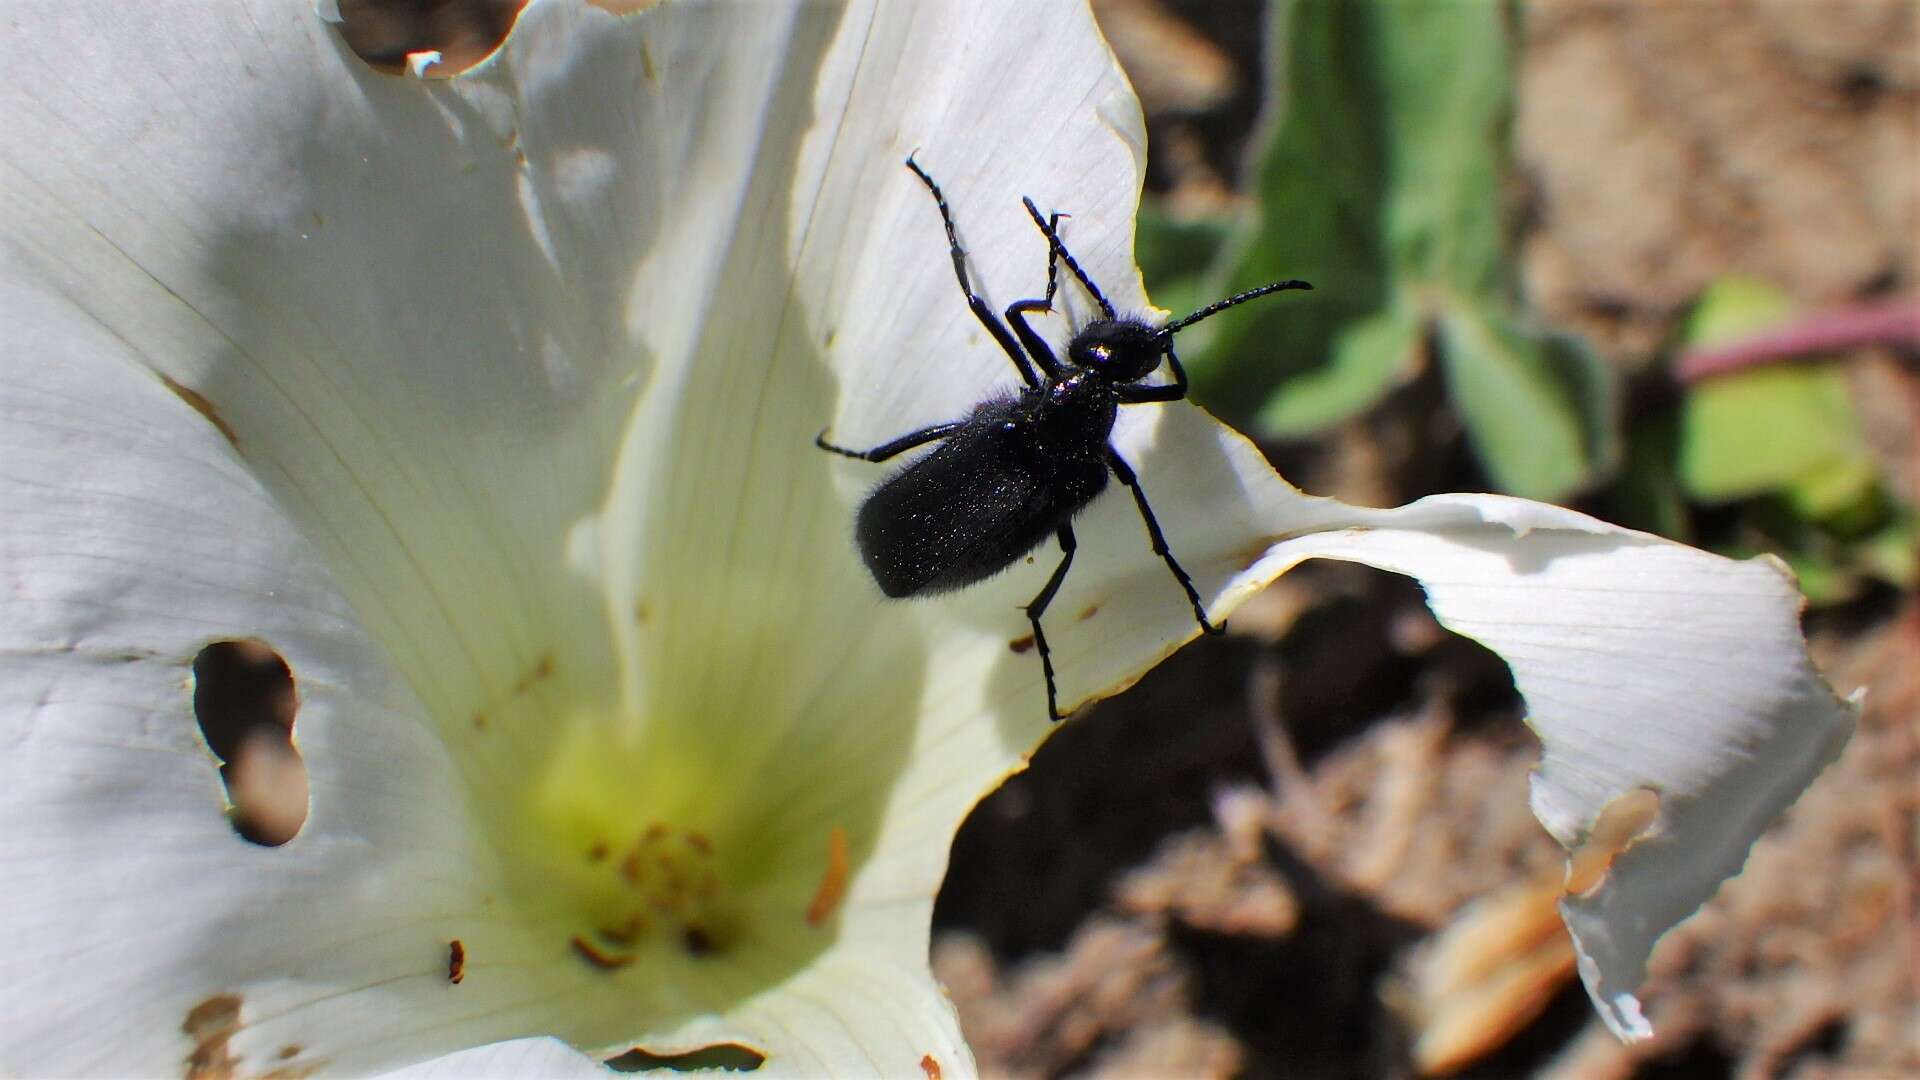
column 1652, row 260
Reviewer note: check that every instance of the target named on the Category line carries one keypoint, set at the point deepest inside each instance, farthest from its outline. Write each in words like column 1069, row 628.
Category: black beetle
column 1018, row 468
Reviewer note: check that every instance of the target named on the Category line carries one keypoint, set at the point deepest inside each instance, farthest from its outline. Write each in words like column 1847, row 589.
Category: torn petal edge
column 1605, row 616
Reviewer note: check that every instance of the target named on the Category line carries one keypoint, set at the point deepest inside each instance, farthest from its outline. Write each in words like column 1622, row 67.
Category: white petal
column 734, row 508
column 829, row 705
column 417, row 306
column 134, row 539
column 868, row 334
column 540, row 1058
column 131, row 903
column 1678, row 712
column 856, row 1011
column 424, row 347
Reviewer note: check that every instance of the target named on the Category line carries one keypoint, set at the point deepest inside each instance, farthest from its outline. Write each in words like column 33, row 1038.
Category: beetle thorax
column 1079, row 409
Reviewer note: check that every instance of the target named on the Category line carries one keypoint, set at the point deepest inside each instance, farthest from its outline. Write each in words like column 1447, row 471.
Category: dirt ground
column 1305, row 850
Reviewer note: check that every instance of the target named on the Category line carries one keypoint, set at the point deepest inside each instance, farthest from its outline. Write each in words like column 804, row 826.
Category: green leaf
column 1377, row 182
column 1174, row 254
column 1893, row 553
column 1734, row 307
column 1786, row 440
column 1646, row 494
column 1320, row 184
column 1786, row 429
column 1446, row 67
column 1367, row 356
column 1823, row 581
column 1523, row 420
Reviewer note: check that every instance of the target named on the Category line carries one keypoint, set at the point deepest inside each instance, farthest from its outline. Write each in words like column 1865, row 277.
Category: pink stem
column 1895, row 322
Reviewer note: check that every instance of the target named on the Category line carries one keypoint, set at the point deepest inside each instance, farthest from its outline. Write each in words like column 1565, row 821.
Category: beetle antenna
column 1060, row 249
column 1220, row 306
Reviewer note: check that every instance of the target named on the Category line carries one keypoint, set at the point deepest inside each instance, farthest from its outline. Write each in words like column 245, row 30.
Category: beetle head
column 1118, row 350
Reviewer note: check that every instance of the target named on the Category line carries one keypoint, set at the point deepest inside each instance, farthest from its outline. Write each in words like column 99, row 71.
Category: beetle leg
column 1036, row 345
column 1060, row 249
column 1053, row 259
column 981, row 311
column 1038, row 607
column 1135, row 394
column 1018, row 311
column 888, row 449
column 1125, row 472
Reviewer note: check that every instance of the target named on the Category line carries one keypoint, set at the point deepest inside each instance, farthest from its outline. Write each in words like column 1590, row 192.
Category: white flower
column 487, row 404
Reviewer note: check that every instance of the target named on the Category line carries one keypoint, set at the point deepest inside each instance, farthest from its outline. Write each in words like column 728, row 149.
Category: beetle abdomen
column 969, row 509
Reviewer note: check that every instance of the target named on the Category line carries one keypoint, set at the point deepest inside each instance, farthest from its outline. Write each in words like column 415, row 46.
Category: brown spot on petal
column 1092, row 610
column 542, row 671
column 833, row 880
column 1021, row 644
column 211, row 1025
column 593, row 955
column 1621, row 824
column 646, row 61
column 929, row 1066
column 456, row 961
column 204, row 407
column 289, row 1051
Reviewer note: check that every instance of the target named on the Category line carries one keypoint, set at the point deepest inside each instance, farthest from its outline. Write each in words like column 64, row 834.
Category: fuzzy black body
column 1016, row 470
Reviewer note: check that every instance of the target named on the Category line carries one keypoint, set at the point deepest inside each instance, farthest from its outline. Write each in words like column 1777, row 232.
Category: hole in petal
column 244, row 699
column 730, row 1056
column 1623, row 822
column 388, row 33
